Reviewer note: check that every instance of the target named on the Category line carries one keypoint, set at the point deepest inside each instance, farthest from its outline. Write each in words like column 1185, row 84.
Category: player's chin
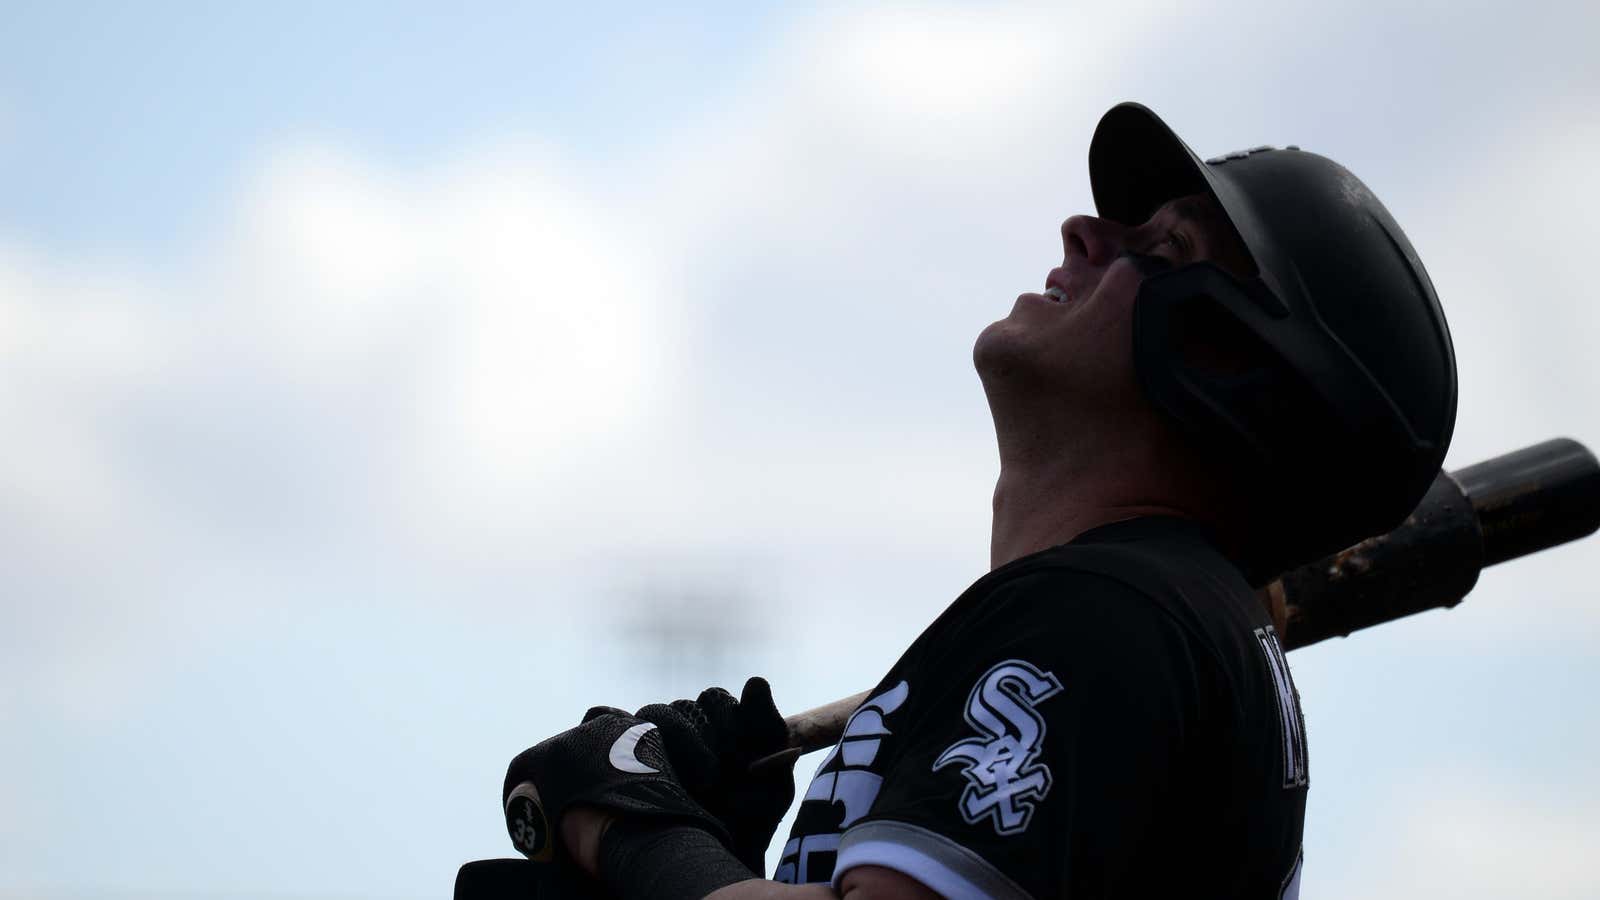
column 1005, row 347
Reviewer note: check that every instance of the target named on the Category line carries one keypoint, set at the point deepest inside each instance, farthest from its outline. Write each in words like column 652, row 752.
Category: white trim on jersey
column 1291, row 881
column 931, row 858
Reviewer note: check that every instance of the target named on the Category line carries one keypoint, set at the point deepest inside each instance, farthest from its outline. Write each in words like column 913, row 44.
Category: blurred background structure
column 383, row 386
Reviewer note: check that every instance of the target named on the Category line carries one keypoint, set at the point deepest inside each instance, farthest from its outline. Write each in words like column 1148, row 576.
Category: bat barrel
column 1534, row 498
column 1510, row 506
column 1432, row 560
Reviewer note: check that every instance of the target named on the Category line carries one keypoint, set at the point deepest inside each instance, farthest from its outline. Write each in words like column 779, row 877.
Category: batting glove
column 614, row 762
column 711, row 742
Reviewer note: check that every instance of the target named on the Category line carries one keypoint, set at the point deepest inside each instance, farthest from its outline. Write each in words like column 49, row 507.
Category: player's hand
column 712, row 741
column 614, row 763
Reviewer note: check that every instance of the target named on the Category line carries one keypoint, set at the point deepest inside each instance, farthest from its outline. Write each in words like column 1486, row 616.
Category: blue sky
column 378, row 381
column 138, row 118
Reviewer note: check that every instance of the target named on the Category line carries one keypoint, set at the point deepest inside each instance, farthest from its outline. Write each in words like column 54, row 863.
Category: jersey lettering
column 1291, row 721
column 843, row 779
column 1004, row 778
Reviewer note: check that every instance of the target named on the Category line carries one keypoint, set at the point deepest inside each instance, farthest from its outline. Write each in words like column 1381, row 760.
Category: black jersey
column 1112, row 717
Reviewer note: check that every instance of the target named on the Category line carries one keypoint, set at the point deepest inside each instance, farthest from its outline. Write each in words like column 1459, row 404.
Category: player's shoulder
column 1059, row 590
column 1078, row 584
column 1059, row 616
column 1159, row 580
column 1155, row 554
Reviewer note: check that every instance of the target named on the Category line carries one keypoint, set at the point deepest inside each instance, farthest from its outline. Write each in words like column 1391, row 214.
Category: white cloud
column 1513, row 248
column 857, row 112
column 425, row 352
column 532, row 322
column 1461, row 834
column 76, row 521
column 748, row 341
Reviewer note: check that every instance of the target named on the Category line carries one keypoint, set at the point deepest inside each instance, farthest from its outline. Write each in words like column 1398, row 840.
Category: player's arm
column 624, row 817
column 860, row 883
column 1071, row 695
column 1041, row 755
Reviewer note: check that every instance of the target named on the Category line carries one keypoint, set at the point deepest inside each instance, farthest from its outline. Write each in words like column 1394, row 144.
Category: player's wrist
column 582, row 830
column 641, row 858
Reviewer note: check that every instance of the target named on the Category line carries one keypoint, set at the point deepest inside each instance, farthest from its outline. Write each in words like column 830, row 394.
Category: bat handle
column 811, row 730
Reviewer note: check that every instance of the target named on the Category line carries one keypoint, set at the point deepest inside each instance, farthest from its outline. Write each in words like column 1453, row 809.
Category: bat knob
column 527, row 824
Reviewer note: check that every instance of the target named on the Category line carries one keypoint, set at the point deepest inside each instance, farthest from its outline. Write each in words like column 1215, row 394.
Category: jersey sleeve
column 1042, row 755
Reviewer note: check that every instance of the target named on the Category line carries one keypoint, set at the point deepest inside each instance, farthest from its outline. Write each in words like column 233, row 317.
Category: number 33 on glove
column 614, row 762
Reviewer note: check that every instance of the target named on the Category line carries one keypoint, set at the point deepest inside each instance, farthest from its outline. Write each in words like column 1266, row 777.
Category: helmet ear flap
column 1202, row 361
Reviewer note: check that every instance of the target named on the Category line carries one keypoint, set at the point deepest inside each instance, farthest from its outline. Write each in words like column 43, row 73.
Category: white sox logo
column 1004, row 779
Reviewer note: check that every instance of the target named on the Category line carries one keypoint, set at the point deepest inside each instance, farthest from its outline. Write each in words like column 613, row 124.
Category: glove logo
column 623, row 752
column 525, row 820
column 1005, row 780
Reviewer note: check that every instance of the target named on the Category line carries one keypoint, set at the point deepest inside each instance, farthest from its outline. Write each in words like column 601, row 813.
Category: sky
column 384, row 386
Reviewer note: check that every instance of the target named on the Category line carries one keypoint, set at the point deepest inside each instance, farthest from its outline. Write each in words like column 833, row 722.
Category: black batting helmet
column 1342, row 417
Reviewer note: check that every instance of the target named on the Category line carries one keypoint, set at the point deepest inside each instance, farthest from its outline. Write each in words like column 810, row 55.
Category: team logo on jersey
column 1005, row 778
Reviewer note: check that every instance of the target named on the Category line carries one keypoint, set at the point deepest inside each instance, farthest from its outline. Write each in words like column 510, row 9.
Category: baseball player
column 1239, row 367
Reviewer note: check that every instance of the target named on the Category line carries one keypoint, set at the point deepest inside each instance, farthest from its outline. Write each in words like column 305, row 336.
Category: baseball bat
column 1503, row 508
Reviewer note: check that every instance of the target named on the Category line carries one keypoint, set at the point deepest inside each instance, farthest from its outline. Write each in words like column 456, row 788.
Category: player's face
column 1077, row 336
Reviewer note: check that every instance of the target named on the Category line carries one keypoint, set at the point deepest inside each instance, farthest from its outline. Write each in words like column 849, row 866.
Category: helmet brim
column 1137, row 163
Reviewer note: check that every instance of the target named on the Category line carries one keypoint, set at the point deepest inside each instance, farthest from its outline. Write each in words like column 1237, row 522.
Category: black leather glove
column 613, row 761
column 711, row 742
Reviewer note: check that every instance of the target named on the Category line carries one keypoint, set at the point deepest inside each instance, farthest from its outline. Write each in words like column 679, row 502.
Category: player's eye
column 1172, row 239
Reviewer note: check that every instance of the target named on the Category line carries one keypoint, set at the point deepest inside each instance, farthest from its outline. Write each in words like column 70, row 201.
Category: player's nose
column 1095, row 241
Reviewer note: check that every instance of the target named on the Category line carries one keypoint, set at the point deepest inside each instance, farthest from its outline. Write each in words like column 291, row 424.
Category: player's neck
column 1051, row 491
column 1035, row 510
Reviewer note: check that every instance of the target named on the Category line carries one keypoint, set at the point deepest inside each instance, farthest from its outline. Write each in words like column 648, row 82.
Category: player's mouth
column 1056, row 288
